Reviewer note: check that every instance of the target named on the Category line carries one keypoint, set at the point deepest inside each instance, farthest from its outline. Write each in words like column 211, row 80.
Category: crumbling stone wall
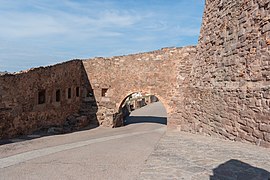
column 153, row 72
column 229, row 93
column 104, row 84
column 20, row 112
column 219, row 88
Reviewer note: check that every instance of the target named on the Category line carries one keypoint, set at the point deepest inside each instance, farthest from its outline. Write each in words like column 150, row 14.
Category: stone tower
column 229, row 92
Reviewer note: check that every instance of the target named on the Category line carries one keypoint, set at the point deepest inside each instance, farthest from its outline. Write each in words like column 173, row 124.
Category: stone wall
column 20, row 111
column 219, row 88
column 154, row 72
column 103, row 84
column 229, row 92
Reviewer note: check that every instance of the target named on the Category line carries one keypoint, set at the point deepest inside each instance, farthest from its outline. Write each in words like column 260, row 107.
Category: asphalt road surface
column 100, row 153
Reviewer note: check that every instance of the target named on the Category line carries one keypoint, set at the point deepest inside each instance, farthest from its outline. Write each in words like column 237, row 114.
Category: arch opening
column 140, row 107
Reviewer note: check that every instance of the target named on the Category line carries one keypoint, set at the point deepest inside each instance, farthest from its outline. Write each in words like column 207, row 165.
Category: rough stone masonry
column 229, row 90
column 219, row 88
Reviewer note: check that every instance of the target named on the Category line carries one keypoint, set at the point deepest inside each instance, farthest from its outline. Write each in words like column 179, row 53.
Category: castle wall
column 153, row 72
column 104, row 84
column 20, row 111
column 219, row 88
column 229, row 93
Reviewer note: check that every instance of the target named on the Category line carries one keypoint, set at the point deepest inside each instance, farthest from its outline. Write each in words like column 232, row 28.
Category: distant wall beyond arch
column 124, row 110
column 163, row 100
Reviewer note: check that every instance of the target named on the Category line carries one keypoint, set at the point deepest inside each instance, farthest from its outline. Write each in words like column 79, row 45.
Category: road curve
column 100, row 153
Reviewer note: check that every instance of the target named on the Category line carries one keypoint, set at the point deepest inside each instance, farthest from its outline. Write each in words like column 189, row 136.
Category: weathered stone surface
column 188, row 156
column 55, row 130
column 229, row 82
column 22, row 114
column 153, row 72
column 219, row 88
column 82, row 122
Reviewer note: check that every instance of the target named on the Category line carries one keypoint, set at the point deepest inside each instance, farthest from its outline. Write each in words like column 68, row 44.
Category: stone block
column 82, row 122
column 266, row 94
column 268, row 42
column 263, row 117
column 266, row 28
column 265, row 144
column 258, row 134
column 264, row 128
column 246, row 129
column 248, row 138
column 266, row 137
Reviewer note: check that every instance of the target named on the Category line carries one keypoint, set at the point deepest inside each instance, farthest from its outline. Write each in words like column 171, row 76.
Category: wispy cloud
column 52, row 30
column 58, row 22
column 16, row 25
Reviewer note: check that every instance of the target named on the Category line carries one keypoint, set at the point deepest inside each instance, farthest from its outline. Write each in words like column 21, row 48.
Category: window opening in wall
column 104, row 91
column 41, row 97
column 69, row 93
column 77, row 91
column 58, row 95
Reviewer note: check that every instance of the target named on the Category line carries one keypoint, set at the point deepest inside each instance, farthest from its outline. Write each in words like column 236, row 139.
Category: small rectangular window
column 58, row 95
column 103, row 92
column 69, row 93
column 41, row 97
column 77, row 91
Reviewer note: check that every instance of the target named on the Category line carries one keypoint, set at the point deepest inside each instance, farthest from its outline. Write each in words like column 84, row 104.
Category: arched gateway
column 161, row 73
column 94, row 88
column 154, row 112
column 220, row 88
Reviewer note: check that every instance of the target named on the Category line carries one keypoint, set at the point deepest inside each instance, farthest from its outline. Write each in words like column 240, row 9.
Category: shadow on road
column 145, row 119
column 237, row 170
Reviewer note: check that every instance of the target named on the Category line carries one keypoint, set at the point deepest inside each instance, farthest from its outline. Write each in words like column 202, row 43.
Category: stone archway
column 163, row 73
column 143, row 99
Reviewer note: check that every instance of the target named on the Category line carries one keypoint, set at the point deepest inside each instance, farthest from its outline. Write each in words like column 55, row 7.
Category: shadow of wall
column 66, row 91
column 235, row 169
column 89, row 105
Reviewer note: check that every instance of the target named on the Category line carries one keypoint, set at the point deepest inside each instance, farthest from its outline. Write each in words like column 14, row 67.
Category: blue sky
column 44, row 32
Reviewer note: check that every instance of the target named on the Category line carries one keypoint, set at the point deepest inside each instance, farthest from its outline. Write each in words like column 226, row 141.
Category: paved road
column 99, row 153
column 136, row 151
column 193, row 157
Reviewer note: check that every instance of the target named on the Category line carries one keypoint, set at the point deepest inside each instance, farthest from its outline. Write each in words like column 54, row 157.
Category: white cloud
column 156, row 25
column 186, row 31
column 122, row 19
column 16, row 25
column 37, row 32
column 19, row 24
